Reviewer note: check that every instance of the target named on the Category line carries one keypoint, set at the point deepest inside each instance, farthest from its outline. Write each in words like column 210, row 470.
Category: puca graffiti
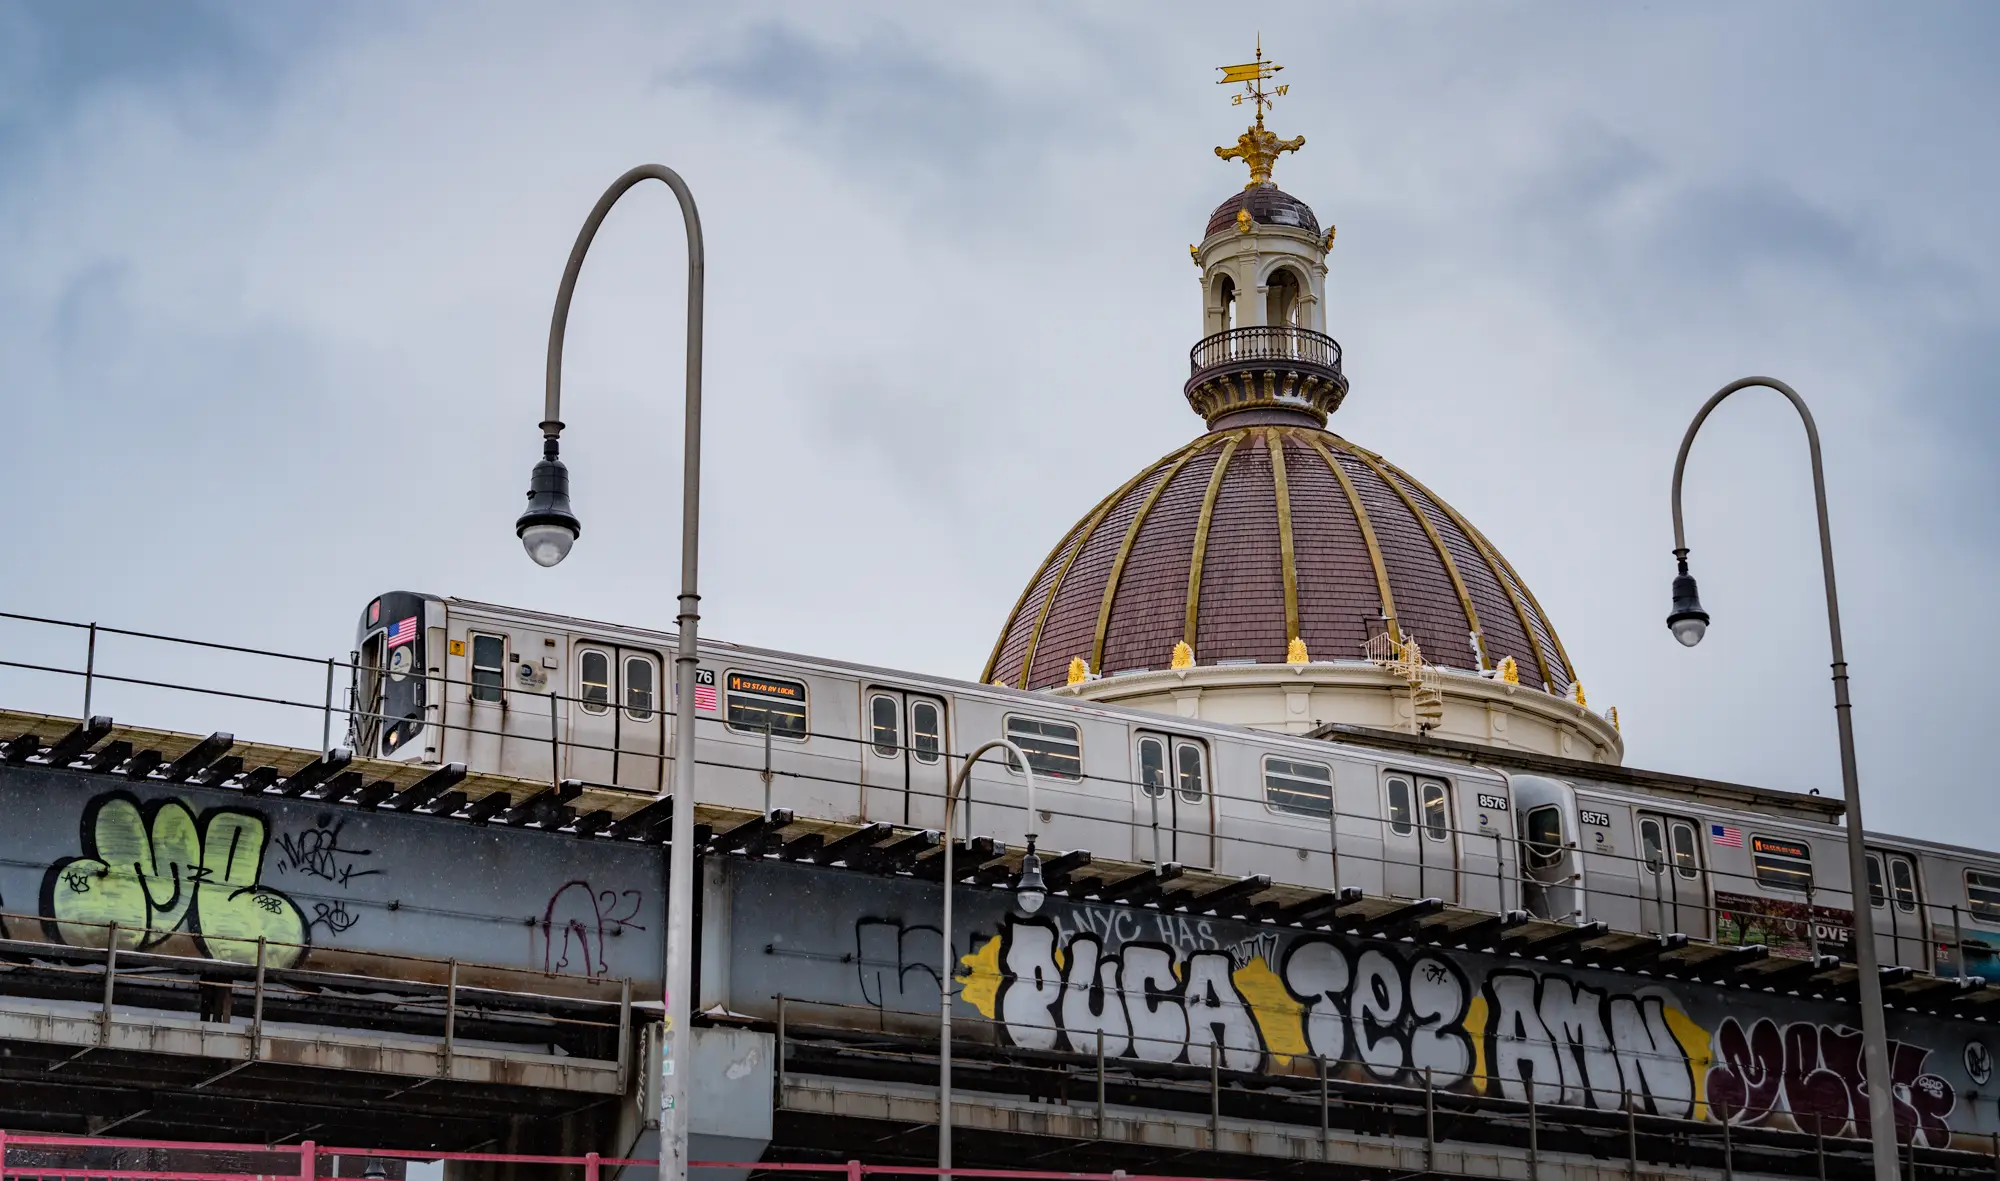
column 1388, row 1012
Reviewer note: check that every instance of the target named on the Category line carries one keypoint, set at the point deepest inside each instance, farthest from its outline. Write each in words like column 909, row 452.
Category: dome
column 1250, row 537
column 1268, row 205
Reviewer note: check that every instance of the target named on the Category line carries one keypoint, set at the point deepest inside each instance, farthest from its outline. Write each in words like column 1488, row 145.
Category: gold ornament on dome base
column 1611, row 715
column 1507, row 672
column 1079, row 672
column 1576, row 694
column 1183, row 656
column 1295, row 652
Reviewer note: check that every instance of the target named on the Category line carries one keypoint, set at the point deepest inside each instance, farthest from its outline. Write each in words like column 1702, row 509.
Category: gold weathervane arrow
column 1257, row 147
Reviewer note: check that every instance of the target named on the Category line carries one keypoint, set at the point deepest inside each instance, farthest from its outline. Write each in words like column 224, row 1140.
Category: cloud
column 273, row 289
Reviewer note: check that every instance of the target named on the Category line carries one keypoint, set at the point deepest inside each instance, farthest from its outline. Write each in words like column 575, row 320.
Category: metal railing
column 1237, row 346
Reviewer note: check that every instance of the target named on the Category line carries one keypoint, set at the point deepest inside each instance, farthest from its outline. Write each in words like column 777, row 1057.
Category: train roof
column 1771, row 801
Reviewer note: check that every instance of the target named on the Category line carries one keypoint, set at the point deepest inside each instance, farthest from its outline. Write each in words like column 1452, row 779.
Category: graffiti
column 1563, row 1042
column 897, row 966
column 317, row 852
column 1390, row 1015
column 1978, row 1063
column 1385, row 1013
column 159, row 872
column 334, row 916
column 578, row 920
column 1814, row 1074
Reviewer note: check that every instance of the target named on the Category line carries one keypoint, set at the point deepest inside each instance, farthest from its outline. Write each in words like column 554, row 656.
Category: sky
column 275, row 284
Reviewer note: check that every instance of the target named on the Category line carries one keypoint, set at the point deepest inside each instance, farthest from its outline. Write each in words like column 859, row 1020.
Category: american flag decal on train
column 403, row 633
column 704, row 697
column 1726, row 834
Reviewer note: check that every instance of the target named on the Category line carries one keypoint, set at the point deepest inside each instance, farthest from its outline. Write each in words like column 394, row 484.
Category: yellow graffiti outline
column 1475, row 1027
column 1280, row 1018
column 1696, row 1043
column 982, row 978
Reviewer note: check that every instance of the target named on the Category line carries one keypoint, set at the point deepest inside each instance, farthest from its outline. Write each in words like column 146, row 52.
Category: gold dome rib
column 1493, row 562
column 993, row 661
column 1569, row 669
column 1201, row 536
column 1276, row 442
column 1367, row 528
column 1125, row 550
column 1097, row 516
column 1437, row 543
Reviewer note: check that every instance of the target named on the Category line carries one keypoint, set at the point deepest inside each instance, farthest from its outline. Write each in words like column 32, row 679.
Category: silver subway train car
column 551, row 697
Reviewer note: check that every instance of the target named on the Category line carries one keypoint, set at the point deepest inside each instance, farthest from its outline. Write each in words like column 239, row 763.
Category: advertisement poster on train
column 1787, row 928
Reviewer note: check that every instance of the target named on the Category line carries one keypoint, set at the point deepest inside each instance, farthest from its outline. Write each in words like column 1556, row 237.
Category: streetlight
column 1029, row 894
column 1689, row 623
column 548, row 529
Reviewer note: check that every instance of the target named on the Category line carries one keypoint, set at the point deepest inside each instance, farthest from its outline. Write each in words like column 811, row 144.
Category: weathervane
column 1257, row 147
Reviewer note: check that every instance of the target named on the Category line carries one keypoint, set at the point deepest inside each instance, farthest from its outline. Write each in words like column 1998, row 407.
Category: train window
column 1153, row 766
column 1305, row 789
column 1903, row 883
column 489, row 660
column 1437, row 811
column 1188, row 771
column 1652, row 849
column 758, row 702
column 1687, row 852
column 638, row 688
column 1054, row 749
column 593, row 681
column 1877, row 899
column 1545, row 836
column 1402, row 812
column 885, row 724
column 926, row 731
column 1782, row 865
column 1982, row 895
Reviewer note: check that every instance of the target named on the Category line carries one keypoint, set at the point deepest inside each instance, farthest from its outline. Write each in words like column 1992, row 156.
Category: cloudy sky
column 274, row 288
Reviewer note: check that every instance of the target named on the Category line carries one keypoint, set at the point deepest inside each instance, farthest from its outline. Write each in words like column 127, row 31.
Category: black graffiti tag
column 316, row 852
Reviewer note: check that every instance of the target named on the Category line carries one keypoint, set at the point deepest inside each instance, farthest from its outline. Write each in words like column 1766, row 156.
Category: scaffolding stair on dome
column 1405, row 658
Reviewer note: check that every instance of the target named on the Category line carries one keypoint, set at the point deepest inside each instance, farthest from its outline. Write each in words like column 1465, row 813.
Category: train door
column 1552, row 885
column 1419, row 838
column 1673, row 886
column 1898, row 910
column 1173, row 806
column 904, row 768
column 617, row 731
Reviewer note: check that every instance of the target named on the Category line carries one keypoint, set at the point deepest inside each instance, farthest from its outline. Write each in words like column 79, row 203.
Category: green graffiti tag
column 159, row 871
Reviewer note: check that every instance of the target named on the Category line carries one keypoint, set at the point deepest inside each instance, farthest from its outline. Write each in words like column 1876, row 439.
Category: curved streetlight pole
column 1031, row 896
column 548, row 529
column 1689, row 622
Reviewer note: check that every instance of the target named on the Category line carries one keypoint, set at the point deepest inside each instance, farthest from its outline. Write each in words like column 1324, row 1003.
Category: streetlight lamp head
column 548, row 529
column 1689, row 622
column 1030, row 892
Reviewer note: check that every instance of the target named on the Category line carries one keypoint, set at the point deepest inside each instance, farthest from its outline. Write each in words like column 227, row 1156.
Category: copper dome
column 1248, row 537
column 1268, row 205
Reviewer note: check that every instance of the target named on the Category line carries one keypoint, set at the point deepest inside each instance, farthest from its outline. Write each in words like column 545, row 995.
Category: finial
column 1612, row 715
column 1183, row 655
column 1507, row 672
column 1295, row 652
column 1257, row 147
column 1576, row 694
column 1079, row 672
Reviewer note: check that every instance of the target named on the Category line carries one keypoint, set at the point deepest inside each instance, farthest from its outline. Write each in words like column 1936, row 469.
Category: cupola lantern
column 1264, row 353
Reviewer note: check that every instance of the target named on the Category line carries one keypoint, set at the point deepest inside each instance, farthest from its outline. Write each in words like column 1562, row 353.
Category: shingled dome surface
column 1248, row 537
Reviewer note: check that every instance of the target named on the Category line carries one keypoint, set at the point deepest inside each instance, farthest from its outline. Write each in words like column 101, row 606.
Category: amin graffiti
column 1811, row 1076
column 158, row 871
column 1374, row 1011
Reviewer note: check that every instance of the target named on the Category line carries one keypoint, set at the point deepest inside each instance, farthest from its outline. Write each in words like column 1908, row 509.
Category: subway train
column 543, row 696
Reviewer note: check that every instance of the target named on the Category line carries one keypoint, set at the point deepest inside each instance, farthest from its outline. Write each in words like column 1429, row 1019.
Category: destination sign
column 766, row 687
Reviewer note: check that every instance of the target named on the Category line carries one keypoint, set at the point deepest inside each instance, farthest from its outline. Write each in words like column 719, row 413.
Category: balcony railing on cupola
column 1265, row 367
